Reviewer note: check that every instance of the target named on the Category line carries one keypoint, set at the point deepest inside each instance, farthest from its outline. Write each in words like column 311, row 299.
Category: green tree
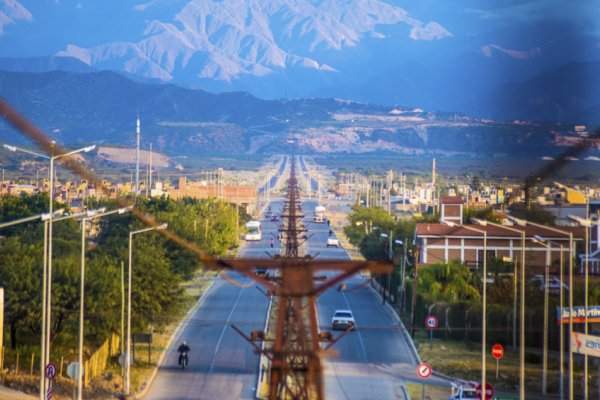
column 448, row 282
column 20, row 276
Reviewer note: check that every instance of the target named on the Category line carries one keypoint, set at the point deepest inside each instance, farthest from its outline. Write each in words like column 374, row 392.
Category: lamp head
column 539, row 238
column 89, row 148
column 449, row 223
column 400, row 242
column 11, row 148
column 478, row 221
column 518, row 221
column 161, row 227
column 581, row 221
column 125, row 209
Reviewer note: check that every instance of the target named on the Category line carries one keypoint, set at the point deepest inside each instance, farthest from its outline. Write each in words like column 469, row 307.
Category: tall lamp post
column 128, row 359
column 44, row 217
column 46, row 356
column 522, row 322
column 548, row 244
column 484, row 300
column 523, row 223
column 47, row 270
column 587, row 224
column 90, row 215
column 542, row 242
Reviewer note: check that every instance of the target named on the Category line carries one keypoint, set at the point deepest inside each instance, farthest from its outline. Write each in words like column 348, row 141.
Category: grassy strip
column 463, row 360
column 431, row 392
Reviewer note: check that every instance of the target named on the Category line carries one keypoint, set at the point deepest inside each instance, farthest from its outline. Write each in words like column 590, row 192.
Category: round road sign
column 489, row 391
column 424, row 370
column 50, row 371
column 497, row 351
column 431, row 322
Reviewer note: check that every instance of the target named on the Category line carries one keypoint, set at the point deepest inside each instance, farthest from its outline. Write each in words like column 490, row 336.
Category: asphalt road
column 222, row 365
column 374, row 360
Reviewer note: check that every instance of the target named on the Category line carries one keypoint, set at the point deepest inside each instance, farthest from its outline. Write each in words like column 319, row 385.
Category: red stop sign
column 489, row 392
column 497, row 351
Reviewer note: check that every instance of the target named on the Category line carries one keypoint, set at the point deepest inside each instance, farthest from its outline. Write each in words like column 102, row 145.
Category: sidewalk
column 9, row 394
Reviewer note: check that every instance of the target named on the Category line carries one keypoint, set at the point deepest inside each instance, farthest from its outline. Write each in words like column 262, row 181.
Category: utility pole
column 150, row 172
column 1, row 328
column 137, row 158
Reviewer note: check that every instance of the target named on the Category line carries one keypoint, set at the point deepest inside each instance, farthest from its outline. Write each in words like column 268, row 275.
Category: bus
column 253, row 231
column 320, row 216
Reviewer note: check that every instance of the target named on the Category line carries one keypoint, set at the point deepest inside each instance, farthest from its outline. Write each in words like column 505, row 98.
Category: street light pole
column 46, row 355
column 45, row 218
column 587, row 224
column 522, row 322
column 541, row 241
column 523, row 223
column 90, row 216
column 484, row 302
column 128, row 359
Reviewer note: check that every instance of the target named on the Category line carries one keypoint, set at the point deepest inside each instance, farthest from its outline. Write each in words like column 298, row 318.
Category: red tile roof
column 443, row 230
column 451, row 200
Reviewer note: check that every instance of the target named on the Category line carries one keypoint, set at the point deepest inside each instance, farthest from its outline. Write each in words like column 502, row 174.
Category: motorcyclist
column 183, row 347
column 183, row 350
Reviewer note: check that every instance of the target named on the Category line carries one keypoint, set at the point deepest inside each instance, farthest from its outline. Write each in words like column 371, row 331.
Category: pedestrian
column 272, row 242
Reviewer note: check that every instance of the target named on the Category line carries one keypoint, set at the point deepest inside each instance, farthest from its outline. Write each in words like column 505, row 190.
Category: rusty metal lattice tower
column 296, row 354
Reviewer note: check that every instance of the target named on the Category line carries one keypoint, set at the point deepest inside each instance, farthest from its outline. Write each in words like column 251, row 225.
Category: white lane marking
column 360, row 340
column 225, row 326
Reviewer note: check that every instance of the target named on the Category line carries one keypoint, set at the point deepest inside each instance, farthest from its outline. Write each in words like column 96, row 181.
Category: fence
column 97, row 362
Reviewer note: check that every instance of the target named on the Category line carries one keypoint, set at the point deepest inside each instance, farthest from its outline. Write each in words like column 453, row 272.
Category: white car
column 332, row 241
column 342, row 319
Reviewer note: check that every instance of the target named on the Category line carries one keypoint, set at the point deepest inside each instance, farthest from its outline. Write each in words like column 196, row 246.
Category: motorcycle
column 183, row 359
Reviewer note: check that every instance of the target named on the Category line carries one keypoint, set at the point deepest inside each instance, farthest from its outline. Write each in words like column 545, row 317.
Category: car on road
column 269, row 215
column 332, row 241
column 275, row 218
column 342, row 319
column 463, row 390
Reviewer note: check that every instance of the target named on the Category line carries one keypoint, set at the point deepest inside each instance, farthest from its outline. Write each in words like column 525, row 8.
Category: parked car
column 275, row 218
column 342, row 319
column 332, row 241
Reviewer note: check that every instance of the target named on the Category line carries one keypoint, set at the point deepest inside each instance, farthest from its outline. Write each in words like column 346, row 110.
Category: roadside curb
column 260, row 381
column 395, row 317
column 175, row 333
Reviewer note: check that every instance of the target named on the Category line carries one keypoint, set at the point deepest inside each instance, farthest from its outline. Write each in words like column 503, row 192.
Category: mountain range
column 435, row 55
column 102, row 107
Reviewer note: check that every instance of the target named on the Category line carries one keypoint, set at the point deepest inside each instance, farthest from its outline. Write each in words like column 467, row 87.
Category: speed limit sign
column 431, row 322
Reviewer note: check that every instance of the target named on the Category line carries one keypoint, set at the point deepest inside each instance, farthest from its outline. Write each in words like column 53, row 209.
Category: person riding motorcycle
column 183, row 349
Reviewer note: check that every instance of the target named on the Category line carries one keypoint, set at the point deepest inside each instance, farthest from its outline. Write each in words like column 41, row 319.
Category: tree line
column 159, row 265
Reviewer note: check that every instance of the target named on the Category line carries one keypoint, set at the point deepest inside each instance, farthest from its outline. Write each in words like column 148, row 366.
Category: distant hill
column 101, row 107
column 567, row 93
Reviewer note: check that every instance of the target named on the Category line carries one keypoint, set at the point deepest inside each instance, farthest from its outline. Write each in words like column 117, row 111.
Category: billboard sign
column 585, row 344
column 562, row 315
